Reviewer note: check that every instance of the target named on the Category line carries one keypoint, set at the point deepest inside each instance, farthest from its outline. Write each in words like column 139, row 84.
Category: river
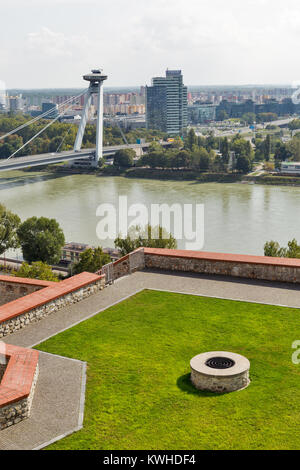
column 239, row 218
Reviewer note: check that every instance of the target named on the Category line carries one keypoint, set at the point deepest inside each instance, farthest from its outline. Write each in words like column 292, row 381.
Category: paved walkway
column 212, row 286
column 57, row 406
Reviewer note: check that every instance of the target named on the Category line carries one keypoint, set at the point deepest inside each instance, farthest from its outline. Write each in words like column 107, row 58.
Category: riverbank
column 173, row 175
column 275, row 180
column 205, row 177
column 154, row 173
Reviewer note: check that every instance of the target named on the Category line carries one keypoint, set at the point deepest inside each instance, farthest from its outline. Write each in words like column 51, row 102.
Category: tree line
column 41, row 240
column 273, row 249
column 272, row 146
column 194, row 152
column 249, row 118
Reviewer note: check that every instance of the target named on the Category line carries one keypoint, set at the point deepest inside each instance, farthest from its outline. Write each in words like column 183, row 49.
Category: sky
column 52, row 43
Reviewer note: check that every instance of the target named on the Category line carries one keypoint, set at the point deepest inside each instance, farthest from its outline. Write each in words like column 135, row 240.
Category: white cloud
column 211, row 40
column 47, row 44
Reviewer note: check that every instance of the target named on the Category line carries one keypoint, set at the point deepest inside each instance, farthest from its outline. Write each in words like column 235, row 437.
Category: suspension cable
column 38, row 133
column 64, row 137
column 40, row 116
column 114, row 120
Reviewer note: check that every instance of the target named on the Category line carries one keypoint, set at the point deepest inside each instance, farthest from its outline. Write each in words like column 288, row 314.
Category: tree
column 124, row 158
column 267, row 148
column 155, row 147
column 182, row 159
column 241, row 147
column 155, row 159
column 191, row 139
column 204, row 160
column 91, row 260
column 243, row 164
column 101, row 162
column 211, row 142
column 37, row 270
column 293, row 250
column 272, row 248
column 222, row 115
column 153, row 237
column 259, row 148
column 281, row 152
column 41, row 239
column 293, row 148
column 295, row 124
column 266, row 117
column 224, row 148
column 248, row 118
column 11, row 144
column 9, row 223
column 201, row 159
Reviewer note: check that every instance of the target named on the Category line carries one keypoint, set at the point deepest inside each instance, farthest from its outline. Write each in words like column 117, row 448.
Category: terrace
column 137, row 337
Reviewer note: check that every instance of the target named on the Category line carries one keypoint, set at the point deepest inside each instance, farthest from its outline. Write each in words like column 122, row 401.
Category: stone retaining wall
column 14, row 413
column 52, row 302
column 121, row 267
column 129, row 264
column 18, row 383
column 2, row 370
column 12, row 289
column 251, row 267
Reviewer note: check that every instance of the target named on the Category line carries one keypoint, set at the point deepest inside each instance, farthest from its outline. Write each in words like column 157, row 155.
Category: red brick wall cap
column 224, row 257
column 18, row 377
column 36, row 299
column 26, row 281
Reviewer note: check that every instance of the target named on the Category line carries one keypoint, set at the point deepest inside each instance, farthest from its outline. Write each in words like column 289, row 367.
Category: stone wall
column 16, row 412
column 129, row 264
column 41, row 311
column 2, row 369
column 18, row 383
column 220, row 384
column 10, row 291
column 121, row 267
column 245, row 266
column 251, row 267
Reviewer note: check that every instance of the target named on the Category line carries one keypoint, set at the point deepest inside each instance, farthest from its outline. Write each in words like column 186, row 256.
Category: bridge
column 52, row 158
column 90, row 156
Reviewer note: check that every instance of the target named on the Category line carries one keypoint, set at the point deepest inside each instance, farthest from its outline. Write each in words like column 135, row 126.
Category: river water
column 239, row 218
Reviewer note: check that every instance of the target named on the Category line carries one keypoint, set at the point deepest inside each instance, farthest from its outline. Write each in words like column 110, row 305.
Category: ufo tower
column 96, row 79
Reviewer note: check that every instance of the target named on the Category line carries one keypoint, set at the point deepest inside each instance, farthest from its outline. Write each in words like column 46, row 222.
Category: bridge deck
column 17, row 163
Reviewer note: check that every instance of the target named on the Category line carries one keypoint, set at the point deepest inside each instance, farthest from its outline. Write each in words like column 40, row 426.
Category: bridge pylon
column 96, row 79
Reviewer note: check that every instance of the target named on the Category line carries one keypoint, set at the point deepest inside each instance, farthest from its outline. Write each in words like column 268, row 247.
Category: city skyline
column 227, row 45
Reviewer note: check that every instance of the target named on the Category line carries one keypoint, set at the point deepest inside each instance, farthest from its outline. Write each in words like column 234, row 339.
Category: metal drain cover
column 220, row 363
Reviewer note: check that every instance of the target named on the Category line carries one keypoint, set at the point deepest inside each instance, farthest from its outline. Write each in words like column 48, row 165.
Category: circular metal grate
column 220, row 362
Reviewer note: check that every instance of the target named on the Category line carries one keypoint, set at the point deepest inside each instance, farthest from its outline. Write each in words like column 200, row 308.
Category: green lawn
column 138, row 391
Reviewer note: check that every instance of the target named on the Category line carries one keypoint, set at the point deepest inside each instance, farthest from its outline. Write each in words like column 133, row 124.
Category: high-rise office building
column 166, row 103
column 48, row 106
column 15, row 103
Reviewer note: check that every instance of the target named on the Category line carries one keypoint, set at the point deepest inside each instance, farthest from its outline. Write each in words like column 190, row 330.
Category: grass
column 139, row 395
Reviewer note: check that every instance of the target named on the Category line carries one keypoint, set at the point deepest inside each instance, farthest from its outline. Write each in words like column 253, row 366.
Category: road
column 17, row 163
column 219, row 132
